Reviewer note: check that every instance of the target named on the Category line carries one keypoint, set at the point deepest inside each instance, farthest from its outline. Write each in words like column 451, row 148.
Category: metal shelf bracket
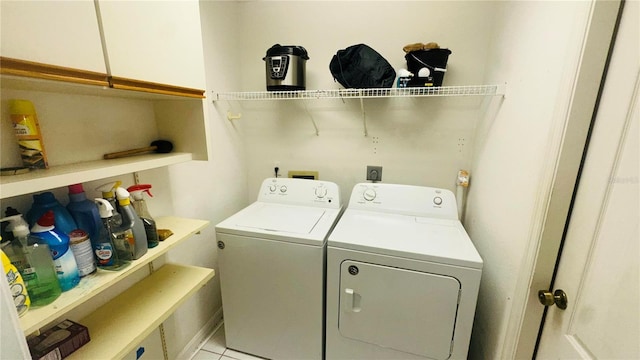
column 315, row 126
column 364, row 117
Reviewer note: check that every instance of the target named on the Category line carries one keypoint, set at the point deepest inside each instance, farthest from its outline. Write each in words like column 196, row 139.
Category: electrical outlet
column 374, row 173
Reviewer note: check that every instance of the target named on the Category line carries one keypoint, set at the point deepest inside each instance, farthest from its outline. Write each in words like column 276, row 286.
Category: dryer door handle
column 352, row 300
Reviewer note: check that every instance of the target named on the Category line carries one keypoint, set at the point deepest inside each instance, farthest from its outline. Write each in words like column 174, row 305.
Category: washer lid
column 281, row 218
column 291, row 223
column 438, row 240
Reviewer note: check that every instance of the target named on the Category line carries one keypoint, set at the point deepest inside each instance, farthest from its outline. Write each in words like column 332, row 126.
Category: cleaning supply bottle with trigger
column 66, row 267
column 109, row 193
column 131, row 221
column 108, row 255
column 140, row 206
column 32, row 257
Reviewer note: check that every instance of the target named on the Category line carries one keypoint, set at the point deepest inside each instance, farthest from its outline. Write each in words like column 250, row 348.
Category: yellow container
column 16, row 285
column 27, row 130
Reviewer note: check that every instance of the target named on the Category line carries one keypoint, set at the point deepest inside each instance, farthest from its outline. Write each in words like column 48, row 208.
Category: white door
column 598, row 268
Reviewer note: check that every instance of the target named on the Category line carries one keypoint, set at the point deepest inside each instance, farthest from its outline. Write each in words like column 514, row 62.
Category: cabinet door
column 154, row 41
column 62, row 33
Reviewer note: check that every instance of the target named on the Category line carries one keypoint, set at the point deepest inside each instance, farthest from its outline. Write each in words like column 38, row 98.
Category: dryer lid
column 411, row 237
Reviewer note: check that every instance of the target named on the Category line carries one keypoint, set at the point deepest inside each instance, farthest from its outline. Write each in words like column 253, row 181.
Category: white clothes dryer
column 272, row 257
column 402, row 276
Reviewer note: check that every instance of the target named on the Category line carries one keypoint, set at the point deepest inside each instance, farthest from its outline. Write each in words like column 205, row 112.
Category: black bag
column 361, row 67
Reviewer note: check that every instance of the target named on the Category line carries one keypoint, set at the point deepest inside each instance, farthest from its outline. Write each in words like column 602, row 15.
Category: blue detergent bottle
column 84, row 211
column 45, row 202
column 63, row 259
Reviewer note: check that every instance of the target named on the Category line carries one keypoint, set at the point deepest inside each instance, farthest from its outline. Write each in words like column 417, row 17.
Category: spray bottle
column 131, row 221
column 32, row 257
column 110, row 256
column 109, row 193
column 140, row 206
column 66, row 267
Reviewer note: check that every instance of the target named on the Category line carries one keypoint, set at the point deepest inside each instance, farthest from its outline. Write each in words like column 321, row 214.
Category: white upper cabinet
column 62, row 33
column 154, row 41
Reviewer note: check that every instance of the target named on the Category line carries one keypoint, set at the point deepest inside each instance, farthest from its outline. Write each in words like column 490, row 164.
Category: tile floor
column 215, row 348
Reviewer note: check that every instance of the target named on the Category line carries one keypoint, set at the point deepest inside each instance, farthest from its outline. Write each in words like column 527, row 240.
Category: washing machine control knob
column 437, row 200
column 272, row 188
column 369, row 194
column 321, row 191
column 283, row 189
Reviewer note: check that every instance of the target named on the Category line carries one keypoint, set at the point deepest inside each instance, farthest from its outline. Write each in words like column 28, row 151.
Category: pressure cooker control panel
column 300, row 192
column 278, row 66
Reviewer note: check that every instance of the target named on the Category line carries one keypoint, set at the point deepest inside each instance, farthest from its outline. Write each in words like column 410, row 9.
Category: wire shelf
column 469, row 90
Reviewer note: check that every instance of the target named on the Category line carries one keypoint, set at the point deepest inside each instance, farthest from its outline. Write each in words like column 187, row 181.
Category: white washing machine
column 402, row 276
column 272, row 258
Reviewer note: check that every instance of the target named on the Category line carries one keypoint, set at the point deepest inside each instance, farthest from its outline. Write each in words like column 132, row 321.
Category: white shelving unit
column 63, row 175
column 94, row 285
column 361, row 94
column 470, row 90
column 120, row 325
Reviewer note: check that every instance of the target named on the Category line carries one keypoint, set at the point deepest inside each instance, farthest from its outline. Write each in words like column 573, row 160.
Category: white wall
column 535, row 51
column 420, row 141
column 211, row 190
column 505, row 142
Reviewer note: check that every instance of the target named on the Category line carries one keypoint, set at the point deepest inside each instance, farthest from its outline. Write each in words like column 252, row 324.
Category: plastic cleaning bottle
column 32, row 257
column 45, row 202
column 131, row 221
column 7, row 235
column 140, row 206
column 86, row 215
column 107, row 253
column 66, row 267
column 109, row 193
column 84, row 211
column 16, row 284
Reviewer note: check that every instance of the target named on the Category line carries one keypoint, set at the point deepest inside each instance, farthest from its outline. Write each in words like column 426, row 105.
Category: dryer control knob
column 369, row 194
column 437, row 200
column 283, row 189
column 272, row 188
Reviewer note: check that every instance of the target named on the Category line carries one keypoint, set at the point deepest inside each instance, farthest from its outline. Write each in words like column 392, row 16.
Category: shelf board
column 63, row 175
column 90, row 286
column 120, row 325
column 469, row 90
